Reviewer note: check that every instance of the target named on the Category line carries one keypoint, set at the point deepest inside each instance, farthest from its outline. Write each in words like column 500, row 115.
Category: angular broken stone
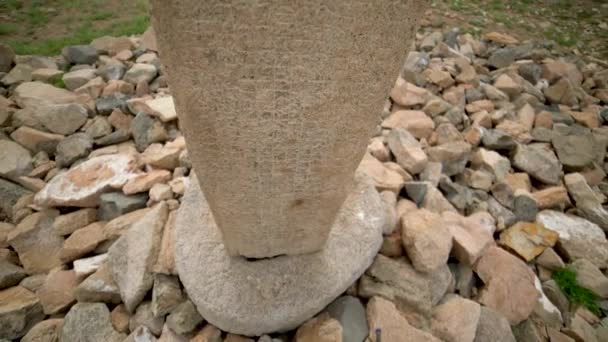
column 184, row 318
column 509, row 285
column 89, row 322
column 57, row 292
column 414, row 121
column 69, row 223
column 82, row 185
column 453, row 156
column 528, row 239
column 10, row 274
column 350, row 313
column 472, row 235
column 36, row 242
column 426, row 239
column 322, row 328
column 538, row 161
column 35, row 140
column 588, row 275
column 385, row 318
column 14, row 160
column 145, row 181
column 588, row 204
column 82, row 241
column 98, row 287
column 144, row 316
column 576, row 152
column 20, row 310
column 493, row 327
column 166, row 294
column 382, row 177
column 578, row 238
column 133, row 255
column 48, row 330
column 456, row 319
column 407, row 151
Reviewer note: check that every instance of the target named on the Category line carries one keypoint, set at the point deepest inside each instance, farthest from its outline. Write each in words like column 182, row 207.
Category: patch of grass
column 6, row 28
column 103, row 15
column 59, row 83
column 566, row 280
column 11, row 4
column 83, row 34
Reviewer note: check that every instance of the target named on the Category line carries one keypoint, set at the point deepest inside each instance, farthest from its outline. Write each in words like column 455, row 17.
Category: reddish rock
column 57, row 292
column 415, row 121
column 509, row 285
column 143, row 182
column 473, row 235
column 426, row 239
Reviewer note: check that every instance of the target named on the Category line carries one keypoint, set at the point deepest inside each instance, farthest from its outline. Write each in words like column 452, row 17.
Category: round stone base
column 276, row 294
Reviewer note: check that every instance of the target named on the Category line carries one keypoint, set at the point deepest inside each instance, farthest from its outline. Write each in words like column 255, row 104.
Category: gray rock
column 46, row 331
column 15, row 160
column 498, row 140
column 145, row 317
column 589, row 276
column 184, row 318
column 350, row 312
column 63, row 118
column 19, row 73
column 98, row 287
column 141, row 334
column 106, row 104
column 11, row 192
column 542, row 134
column 414, row 293
column 89, row 322
column 430, row 41
column 116, row 137
column 99, row 127
column 532, row 72
column 453, row 156
column 588, row 204
column 80, row 54
column 458, row 195
column 166, row 294
column 114, row 204
column 576, row 152
column 78, row 78
column 538, row 161
column 140, row 72
column 7, row 55
column 113, row 71
column 525, row 207
column 506, row 56
column 578, row 238
column 493, row 327
column 10, row 274
column 20, row 310
column 72, row 148
column 133, row 255
column 530, row 331
column 146, row 130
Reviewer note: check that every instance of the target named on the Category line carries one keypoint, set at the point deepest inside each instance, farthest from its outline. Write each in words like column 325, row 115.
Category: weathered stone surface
column 14, row 160
column 115, row 228
column 589, row 276
column 588, row 203
column 456, row 319
column 46, row 331
column 327, row 184
column 165, row 157
column 493, row 327
column 120, row 319
column 98, row 287
column 492, row 162
column 382, row 315
column 78, row 78
column 165, row 263
column 114, row 204
column 472, row 235
column 527, row 239
column 453, row 156
column 89, row 322
column 10, row 274
column 162, row 108
column 166, row 294
column 145, row 181
column 426, row 239
column 7, row 56
column 184, row 318
column 56, row 294
column 141, row 334
column 413, row 292
column 37, row 243
column 85, row 266
column 140, row 72
column 350, row 313
column 19, row 311
column 39, row 94
column 82, row 185
column 82, row 241
column 210, row 333
column 383, row 177
column 538, row 161
column 69, row 223
column 35, row 140
column 354, row 241
column 407, row 151
column 72, row 148
column 80, row 54
column 576, row 152
column 133, row 255
column 63, row 118
column 509, row 285
column 322, row 328
column 11, row 193
column 414, row 121
column 144, row 316
column 146, row 131
column 578, row 238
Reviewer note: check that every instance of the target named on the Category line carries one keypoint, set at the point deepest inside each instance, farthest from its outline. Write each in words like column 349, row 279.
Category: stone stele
column 277, row 100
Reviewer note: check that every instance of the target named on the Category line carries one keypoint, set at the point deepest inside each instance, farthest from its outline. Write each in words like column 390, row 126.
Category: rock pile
column 490, row 158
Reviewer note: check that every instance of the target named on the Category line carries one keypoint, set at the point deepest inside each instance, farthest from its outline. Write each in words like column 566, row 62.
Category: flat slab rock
column 275, row 294
column 82, row 185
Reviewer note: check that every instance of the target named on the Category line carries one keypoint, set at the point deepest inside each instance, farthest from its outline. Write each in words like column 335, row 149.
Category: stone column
column 277, row 100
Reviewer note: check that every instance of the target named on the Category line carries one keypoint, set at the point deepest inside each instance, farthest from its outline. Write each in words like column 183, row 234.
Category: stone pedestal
column 280, row 293
column 277, row 100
